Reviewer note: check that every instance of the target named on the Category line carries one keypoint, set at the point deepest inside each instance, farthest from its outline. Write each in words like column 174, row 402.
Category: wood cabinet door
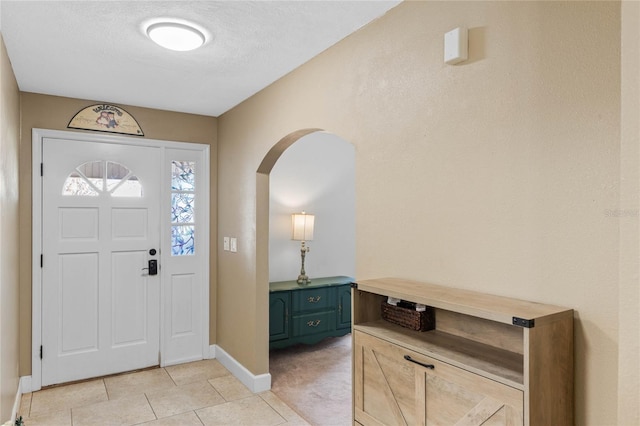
column 279, row 303
column 390, row 390
column 384, row 384
column 454, row 396
column 344, row 306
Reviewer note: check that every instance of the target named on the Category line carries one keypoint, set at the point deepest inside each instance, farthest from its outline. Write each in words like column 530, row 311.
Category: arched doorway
column 314, row 171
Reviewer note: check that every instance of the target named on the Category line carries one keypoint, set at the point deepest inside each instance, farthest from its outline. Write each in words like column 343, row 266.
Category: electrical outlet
column 234, row 244
column 225, row 243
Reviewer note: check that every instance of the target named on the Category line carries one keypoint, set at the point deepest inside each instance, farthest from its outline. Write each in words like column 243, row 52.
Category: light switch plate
column 234, row 244
column 225, row 243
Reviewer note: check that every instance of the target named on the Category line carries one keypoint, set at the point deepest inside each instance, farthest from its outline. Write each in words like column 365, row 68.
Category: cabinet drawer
column 312, row 299
column 318, row 322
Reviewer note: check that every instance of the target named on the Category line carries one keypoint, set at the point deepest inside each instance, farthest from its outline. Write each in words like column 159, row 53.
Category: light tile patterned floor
column 196, row 393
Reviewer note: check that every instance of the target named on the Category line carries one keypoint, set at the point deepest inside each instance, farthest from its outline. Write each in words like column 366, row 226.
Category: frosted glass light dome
column 175, row 36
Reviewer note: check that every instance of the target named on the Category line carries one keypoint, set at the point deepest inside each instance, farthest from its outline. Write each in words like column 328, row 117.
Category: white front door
column 108, row 209
column 100, row 225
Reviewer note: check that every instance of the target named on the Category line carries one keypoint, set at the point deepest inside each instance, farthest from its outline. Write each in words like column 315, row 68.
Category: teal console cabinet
column 309, row 313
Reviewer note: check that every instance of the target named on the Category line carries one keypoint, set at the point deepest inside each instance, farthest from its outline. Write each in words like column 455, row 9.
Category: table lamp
column 302, row 230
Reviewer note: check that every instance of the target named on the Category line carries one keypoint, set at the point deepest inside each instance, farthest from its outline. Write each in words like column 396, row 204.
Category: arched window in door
column 100, row 176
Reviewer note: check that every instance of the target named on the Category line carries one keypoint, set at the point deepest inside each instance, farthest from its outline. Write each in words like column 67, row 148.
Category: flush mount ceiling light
column 176, row 36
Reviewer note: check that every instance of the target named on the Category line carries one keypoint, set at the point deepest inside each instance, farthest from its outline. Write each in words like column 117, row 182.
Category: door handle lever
column 153, row 267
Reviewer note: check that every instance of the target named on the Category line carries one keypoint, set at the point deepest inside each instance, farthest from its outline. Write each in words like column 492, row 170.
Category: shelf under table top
column 495, row 363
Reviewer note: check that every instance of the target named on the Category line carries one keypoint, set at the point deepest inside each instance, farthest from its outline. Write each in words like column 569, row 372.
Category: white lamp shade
column 302, row 226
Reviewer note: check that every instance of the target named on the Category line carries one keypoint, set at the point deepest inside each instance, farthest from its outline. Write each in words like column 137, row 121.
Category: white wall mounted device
column 456, row 46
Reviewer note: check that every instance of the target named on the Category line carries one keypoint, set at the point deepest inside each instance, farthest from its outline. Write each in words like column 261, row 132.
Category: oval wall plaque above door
column 106, row 118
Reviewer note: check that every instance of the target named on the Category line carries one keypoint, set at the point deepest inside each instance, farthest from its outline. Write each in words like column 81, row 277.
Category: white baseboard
column 16, row 405
column 24, row 386
column 256, row 384
column 212, row 352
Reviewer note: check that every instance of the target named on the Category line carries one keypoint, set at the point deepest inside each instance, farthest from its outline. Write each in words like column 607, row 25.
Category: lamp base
column 303, row 280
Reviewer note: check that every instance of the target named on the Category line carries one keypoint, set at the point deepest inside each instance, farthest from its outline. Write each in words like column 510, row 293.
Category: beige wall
column 52, row 112
column 9, row 142
column 501, row 174
column 629, row 309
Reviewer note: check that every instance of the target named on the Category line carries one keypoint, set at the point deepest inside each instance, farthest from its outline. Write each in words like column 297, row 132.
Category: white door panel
column 129, row 224
column 183, row 292
column 78, row 322
column 78, row 224
column 183, row 285
column 129, row 299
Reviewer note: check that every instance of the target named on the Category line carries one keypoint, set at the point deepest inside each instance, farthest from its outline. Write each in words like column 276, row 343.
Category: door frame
column 36, row 239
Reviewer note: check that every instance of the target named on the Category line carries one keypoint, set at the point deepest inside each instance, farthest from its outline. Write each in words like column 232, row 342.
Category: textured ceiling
column 98, row 49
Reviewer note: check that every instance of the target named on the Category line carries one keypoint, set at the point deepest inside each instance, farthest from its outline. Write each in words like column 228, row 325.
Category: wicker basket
column 409, row 318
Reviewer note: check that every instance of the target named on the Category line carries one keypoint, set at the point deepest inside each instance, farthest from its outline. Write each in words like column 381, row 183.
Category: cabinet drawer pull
column 408, row 358
column 313, row 299
column 314, row 323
